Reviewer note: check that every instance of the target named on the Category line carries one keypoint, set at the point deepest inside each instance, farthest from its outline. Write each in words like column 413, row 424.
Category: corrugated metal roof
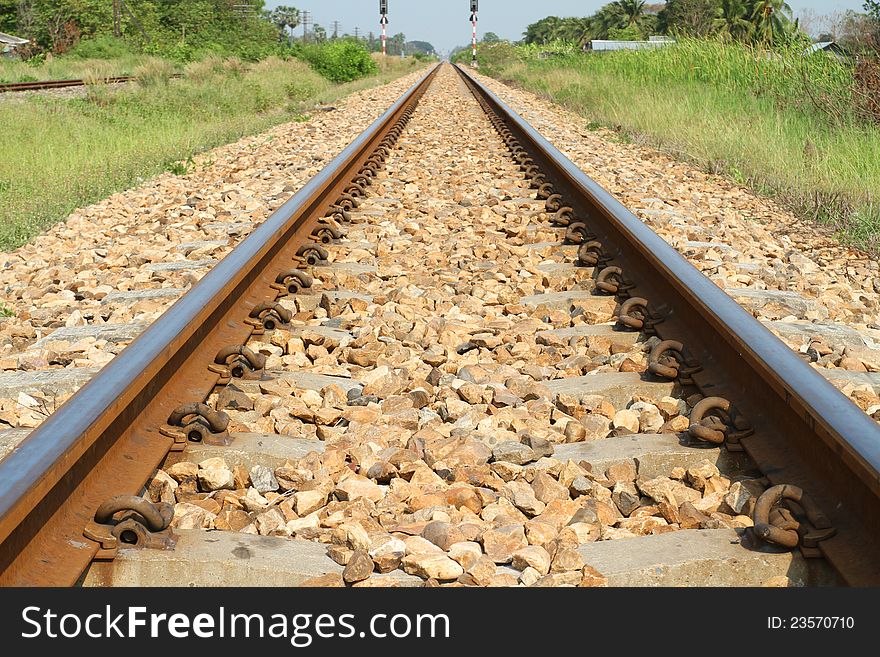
column 830, row 47
column 12, row 40
column 602, row 44
column 816, row 47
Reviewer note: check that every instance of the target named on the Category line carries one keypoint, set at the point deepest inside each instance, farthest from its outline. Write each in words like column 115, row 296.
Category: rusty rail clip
column 726, row 426
column 338, row 214
column 355, row 190
column 563, row 216
column 788, row 528
column 611, row 281
column 553, row 203
column 237, row 362
column 267, row 317
column 577, row 233
column 327, row 230
column 590, row 254
column 292, row 281
column 196, row 422
column 144, row 524
column 312, row 254
column 667, row 360
column 634, row 314
column 347, row 202
column 545, row 191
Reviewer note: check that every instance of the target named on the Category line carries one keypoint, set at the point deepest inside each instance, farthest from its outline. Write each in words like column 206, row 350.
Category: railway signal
column 474, row 9
column 383, row 21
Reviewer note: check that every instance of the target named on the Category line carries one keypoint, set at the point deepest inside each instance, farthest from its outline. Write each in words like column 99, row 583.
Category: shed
column 8, row 43
column 828, row 47
column 604, row 45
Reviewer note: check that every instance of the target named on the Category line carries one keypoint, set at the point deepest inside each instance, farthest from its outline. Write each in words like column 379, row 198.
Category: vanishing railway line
column 493, row 460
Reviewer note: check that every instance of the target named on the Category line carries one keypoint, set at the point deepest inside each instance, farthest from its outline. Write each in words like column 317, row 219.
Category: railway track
column 497, row 377
column 43, row 85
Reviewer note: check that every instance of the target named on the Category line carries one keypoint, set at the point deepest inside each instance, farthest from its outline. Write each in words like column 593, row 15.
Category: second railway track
column 451, row 358
column 44, row 85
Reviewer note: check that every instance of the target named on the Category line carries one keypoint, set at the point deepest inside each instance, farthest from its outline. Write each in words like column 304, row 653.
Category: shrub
column 154, row 72
column 340, row 60
column 103, row 46
column 301, row 89
column 234, row 67
column 205, row 69
column 95, row 76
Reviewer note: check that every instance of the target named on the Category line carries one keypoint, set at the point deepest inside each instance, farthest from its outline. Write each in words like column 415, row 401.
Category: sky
column 444, row 23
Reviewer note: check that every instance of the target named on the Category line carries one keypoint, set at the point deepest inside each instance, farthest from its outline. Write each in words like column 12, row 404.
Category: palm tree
column 733, row 20
column 630, row 12
column 543, row 30
column 572, row 29
column 771, row 18
column 608, row 18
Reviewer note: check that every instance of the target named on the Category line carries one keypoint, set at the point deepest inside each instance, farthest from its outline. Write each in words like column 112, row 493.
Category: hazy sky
column 445, row 22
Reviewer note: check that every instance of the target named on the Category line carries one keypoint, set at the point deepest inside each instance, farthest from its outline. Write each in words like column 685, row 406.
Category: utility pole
column 336, row 29
column 357, row 34
column 118, row 7
column 306, row 19
column 474, row 9
column 383, row 21
column 117, row 18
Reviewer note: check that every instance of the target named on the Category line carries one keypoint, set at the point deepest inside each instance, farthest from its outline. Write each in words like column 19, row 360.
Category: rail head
column 807, row 432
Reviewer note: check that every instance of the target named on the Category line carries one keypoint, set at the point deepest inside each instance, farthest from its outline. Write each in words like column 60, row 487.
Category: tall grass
column 786, row 124
column 65, row 68
column 64, row 153
column 154, row 72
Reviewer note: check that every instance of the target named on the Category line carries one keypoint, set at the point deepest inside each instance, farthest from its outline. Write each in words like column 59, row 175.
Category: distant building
column 602, row 45
column 8, row 43
column 827, row 47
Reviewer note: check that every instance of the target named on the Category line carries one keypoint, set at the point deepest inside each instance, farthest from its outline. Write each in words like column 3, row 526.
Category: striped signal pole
column 383, row 21
column 474, row 9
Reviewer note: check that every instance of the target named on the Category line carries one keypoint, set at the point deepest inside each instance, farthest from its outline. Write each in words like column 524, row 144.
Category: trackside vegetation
column 68, row 152
column 802, row 129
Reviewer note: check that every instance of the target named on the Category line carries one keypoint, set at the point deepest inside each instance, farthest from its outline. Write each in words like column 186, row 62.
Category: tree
column 285, row 18
column 491, row 37
column 631, row 33
column 8, row 15
column 771, row 18
column 688, row 17
column 872, row 8
column 629, row 12
column 572, row 29
column 396, row 44
column 542, row 31
column 733, row 20
column 319, row 33
column 552, row 28
column 420, row 46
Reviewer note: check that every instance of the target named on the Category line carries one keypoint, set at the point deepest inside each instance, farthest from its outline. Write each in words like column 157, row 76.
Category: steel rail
column 807, row 433
column 61, row 84
column 104, row 441
column 58, row 84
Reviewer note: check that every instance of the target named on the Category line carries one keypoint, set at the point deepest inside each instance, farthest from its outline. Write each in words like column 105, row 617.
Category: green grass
column 61, row 154
column 786, row 125
column 67, row 68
